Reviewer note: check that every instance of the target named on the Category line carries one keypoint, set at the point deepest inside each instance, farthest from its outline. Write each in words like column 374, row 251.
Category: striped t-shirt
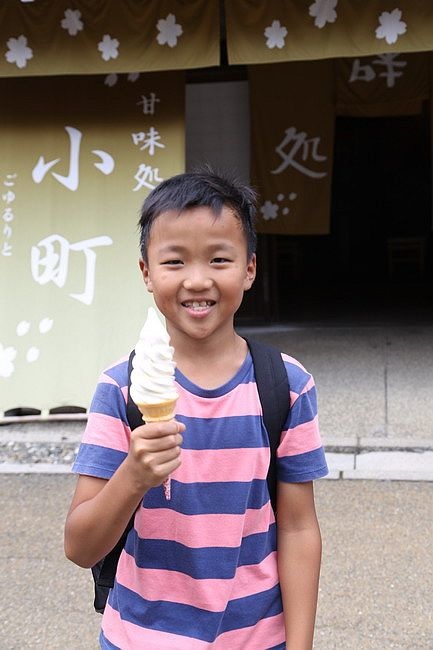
column 199, row 571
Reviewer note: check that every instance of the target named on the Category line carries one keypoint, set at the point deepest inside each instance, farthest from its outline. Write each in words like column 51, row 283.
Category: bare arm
column 299, row 556
column 101, row 509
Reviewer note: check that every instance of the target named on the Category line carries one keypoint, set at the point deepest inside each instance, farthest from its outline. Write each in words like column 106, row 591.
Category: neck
column 210, row 363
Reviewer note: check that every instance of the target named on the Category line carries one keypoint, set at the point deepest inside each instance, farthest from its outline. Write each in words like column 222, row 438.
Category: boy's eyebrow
column 177, row 248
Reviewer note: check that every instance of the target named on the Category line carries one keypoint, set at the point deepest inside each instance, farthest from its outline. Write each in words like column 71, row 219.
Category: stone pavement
column 376, row 582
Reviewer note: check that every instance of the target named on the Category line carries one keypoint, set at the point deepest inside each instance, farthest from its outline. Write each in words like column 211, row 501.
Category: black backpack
column 273, row 388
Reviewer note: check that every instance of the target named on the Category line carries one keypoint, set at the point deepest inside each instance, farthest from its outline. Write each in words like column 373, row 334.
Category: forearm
column 94, row 526
column 299, row 556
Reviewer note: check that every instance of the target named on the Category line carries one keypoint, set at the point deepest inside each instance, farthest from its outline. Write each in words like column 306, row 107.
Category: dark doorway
column 375, row 265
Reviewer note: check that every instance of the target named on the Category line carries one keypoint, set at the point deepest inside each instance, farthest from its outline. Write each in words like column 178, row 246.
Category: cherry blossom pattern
column 275, row 35
column 7, row 357
column 18, row 51
column 111, row 79
column 108, row 47
column 324, row 12
column 269, row 210
column 169, row 31
column 391, row 26
column 71, row 22
column 133, row 77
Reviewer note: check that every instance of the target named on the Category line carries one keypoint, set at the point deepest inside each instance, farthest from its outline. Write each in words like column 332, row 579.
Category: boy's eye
column 172, row 262
column 220, row 260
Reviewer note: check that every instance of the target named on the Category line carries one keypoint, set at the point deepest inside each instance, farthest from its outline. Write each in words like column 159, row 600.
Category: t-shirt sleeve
column 300, row 455
column 106, row 438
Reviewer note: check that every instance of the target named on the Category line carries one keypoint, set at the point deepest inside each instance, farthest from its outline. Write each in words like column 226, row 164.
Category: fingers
column 155, row 451
column 159, row 429
column 159, row 436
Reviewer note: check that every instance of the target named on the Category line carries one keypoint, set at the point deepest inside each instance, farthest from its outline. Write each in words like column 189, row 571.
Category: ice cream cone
column 160, row 412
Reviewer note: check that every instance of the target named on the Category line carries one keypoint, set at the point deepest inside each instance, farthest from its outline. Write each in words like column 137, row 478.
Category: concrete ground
column 376, row 583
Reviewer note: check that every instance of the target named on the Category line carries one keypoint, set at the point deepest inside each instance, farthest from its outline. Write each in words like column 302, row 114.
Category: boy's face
column 198, row 270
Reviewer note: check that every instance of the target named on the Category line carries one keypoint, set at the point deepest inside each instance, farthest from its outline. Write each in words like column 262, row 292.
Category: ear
column 144, row 268
column 250, row 273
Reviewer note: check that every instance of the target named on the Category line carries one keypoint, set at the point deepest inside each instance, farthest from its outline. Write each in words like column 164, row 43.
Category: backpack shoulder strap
column 274, row 392
column 132, row 411
column 104, row 571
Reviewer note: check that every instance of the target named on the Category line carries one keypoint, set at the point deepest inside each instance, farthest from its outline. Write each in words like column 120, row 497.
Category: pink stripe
column 217, row 464
column 211, row 595
column 127, row 635
column 305, row 437
column 294, row 362
column 242, row 400
column 198, row 531
column 107, row 431
column 267, row 633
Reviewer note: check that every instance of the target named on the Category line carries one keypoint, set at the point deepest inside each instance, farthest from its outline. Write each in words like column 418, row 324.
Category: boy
column 201, row 571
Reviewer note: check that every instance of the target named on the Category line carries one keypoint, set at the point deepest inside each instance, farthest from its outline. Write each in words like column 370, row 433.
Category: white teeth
column 198, row 305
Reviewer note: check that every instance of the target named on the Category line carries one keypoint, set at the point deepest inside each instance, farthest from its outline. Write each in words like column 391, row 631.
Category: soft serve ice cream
column 152, row 376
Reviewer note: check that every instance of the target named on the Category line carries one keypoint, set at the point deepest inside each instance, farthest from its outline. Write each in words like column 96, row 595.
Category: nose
column 197, row 279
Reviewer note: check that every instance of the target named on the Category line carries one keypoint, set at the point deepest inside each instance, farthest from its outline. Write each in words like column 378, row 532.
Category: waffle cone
column 158, row 412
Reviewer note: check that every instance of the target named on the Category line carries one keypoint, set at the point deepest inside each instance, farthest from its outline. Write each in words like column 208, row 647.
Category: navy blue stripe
column 303, row 467
column 119, row 373
column 194, row 622
column 243, row 431
column 298, row 377
column 210, row 498
column 201, row 563
column 304, row 409
column 109, row 400
column 165, row 616
column 248, row 611
column 280, row 646
column 243, row 376
column 95, row 460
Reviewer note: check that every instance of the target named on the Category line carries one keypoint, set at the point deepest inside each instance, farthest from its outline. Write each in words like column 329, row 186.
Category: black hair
column 200, row 188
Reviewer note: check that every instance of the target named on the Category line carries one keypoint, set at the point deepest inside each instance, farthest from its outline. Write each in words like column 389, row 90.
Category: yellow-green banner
column 77, row 159
column 107, row 36
column 293, row 30
column 385, row 84
column 292, row 125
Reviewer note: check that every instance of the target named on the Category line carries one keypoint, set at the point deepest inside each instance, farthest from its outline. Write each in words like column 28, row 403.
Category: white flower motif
column 71, row 22
column 133, row 76
column 324, row 12
column 111, row 79
column 45, row 325
column 391, row 26
column 22, row 328
column 275, row 35
column 18, row 52
column 269, row 210
column 7, row 356
column 108, row 47
column 32, row 354
column 169, row 31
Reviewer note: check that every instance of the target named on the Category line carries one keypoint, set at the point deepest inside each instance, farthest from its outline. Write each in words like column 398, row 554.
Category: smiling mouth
column 198, row 305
